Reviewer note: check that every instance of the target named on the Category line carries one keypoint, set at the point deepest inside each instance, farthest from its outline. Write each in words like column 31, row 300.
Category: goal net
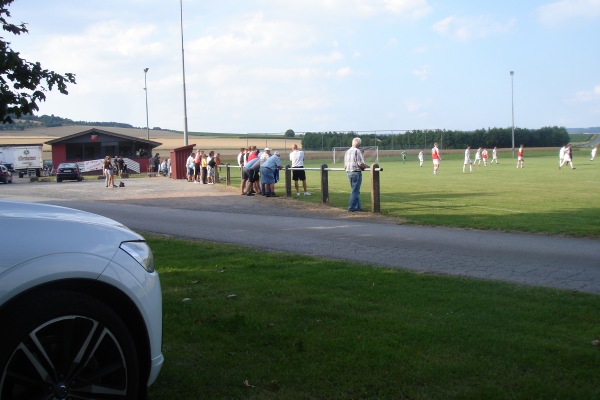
column 371, row 154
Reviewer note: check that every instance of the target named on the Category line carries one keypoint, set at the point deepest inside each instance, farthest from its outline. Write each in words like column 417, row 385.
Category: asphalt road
column 220, row 214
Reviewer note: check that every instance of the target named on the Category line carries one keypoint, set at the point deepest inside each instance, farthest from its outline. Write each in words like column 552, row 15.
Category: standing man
column 484, row 155
column 520, row 159
column 594, row 152
column 494, row 156
column 297, row 159
column 436, row 158
column 421, row 158
column 354, row 164
column 468, row 159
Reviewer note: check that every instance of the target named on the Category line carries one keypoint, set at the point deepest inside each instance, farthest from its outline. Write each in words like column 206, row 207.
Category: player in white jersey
column 468, row 159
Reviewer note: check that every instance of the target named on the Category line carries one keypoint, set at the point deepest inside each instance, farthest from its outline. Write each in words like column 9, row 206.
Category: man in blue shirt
column 267, row 173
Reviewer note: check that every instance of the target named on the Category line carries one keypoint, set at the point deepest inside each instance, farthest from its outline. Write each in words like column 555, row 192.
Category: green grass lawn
column 243, row 324
column 538, row 198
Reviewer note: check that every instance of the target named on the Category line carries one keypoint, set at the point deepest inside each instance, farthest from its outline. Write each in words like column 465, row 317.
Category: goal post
column 371, row 154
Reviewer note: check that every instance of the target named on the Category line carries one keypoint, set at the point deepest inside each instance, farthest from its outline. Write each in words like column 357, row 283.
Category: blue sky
column 320, row 65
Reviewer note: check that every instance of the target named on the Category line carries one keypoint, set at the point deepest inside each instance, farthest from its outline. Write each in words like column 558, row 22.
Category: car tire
column 58, row 180
column 63, row 345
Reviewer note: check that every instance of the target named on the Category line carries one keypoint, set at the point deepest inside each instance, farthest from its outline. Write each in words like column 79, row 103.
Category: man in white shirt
column 297, row 159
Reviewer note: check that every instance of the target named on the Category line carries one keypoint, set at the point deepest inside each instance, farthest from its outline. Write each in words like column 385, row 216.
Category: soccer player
column 421, row 158
column 494, row 156
column 520, row 159
column 436, row 158
column 484, row 155
column 468, row 159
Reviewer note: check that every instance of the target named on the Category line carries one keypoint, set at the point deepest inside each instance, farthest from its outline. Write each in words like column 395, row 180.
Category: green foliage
column 289, row 133
column 259, row 325
column 23, row 84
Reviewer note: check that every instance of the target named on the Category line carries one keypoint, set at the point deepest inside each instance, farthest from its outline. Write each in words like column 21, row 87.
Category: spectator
column 204, row 168
column 251, row 169
column 156, row 162
column 297, row 159
column 354, row 164
column 210, row 167
column 189, row 164
column 267, row 174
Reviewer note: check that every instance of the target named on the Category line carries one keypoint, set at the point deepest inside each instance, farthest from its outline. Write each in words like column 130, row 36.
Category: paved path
column 216, row 213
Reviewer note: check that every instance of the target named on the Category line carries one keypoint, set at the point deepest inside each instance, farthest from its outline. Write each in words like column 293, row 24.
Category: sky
column 266, row 66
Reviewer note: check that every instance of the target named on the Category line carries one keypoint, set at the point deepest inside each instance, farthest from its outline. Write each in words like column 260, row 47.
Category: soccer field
column 537, row 198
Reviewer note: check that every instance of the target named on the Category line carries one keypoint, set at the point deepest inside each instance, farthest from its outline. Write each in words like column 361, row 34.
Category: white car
column 80, row 306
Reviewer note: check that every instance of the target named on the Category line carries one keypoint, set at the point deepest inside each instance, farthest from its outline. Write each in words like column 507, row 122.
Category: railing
column 375, row 182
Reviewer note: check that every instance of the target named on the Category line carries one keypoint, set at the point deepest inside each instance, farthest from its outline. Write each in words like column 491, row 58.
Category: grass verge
column 244, row 324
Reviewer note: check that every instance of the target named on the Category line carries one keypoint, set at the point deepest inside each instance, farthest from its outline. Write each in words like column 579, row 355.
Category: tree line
column 449, row 139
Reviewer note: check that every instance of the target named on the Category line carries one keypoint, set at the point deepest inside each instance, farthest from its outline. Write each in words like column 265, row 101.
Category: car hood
column 34, row 230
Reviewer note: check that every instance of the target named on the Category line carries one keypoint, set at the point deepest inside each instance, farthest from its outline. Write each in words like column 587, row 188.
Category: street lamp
column 512, row 100
column 185, row 124
column 146, row 90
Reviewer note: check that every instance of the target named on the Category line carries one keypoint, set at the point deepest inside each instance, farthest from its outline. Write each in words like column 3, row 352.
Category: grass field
column 539, row 198
column 244, row 324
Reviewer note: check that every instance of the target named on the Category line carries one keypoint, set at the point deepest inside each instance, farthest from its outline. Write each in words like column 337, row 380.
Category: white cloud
column 471, row 27
column 585, row 96
column 413, row 9
column 562, row 10
column 422, row 73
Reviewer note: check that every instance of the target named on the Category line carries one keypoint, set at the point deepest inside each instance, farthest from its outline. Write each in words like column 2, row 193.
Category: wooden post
column 375, row 189
column 325, row 184
column 288, row 181
column 227, row 175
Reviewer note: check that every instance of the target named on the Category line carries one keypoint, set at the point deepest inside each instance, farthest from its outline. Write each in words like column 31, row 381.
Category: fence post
column 288, row 181
column 324, row 184
column 227, row 175
column 375, row 189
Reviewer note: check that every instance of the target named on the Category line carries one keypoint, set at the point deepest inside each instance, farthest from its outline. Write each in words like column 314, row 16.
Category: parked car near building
column 69, row 172
column 80, row 306
column 5, row 175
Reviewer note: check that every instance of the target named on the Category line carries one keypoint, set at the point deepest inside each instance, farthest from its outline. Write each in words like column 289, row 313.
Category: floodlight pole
column 185, row 124
column 146, row 90
column 512, row 100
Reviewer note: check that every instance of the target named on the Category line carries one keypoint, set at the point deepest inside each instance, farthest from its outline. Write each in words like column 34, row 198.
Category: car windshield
column 68, row 165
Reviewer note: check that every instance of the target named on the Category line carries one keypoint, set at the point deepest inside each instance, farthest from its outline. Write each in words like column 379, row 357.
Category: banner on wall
column 96, row 165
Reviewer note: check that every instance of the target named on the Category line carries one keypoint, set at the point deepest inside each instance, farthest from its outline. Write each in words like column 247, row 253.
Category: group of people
column 201, row 167
column 112, row 167
column 480, row 155
column 260, row 170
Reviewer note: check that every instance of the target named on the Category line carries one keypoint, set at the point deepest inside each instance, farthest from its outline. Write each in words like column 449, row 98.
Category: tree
column 289, row 133
column 23, row 83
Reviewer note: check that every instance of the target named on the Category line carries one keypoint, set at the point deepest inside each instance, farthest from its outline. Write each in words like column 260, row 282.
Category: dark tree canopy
column 23, row 83
column 289, row 133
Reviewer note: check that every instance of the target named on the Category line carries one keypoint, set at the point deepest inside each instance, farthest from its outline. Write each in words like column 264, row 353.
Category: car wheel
column 67, row 345
column 58, row 180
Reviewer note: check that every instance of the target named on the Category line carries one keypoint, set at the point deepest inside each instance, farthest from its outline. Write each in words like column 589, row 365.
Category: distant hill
column 584, row 130
column 52, row 121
